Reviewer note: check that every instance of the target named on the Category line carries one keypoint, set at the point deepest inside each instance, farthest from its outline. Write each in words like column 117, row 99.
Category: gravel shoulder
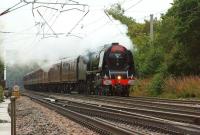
column 34, row 119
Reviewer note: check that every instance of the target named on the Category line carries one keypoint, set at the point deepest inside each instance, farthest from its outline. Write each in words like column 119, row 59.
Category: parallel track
column 97, row 124
column 142, row 102
column 179, row 117
column 124, row 115
column 159, row 106
column 176, row 101
column 158, row 111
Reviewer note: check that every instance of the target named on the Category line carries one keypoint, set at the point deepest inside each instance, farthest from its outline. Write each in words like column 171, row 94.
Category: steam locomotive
column 109, row 71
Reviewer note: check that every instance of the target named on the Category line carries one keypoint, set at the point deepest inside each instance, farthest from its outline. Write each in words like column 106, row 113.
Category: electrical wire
column 46, row 22
column 113, row 22
column 186, row 11
column 51, row 17
column 78, row 22
column 60, row 11
column 138, row 2
column 13, row 8
column 53, row 3
column 99, row 28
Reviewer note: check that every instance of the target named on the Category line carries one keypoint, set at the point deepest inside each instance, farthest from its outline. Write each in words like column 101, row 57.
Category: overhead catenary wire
column 46, row 3
column 13, row 8
column 113, row 22
column 46, row 23
column 50, row 18
column 54, row 3
column 78, row 22
column 111, row 19
column 16, row 34
column 99, row 28
column 59, row 11
column 19, row 32
column 30, row 34
column 25, row 3
column 180, row 13
column 186, row 11
column 93, row 22
column 138, row 2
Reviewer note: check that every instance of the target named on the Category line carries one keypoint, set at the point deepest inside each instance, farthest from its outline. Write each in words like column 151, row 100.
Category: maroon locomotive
column 109, row 71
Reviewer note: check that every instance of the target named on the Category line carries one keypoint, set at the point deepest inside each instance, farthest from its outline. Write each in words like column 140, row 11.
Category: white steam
column 25, row 47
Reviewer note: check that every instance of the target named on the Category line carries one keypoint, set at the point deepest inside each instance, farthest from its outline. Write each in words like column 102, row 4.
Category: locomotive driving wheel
column 126, row 91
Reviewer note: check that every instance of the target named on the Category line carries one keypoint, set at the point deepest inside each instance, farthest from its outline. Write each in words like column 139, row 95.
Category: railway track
column 190, row 110
column 160, row 112
column 184, row 105
column 131, row 118
column 179, row 117
column 175, row 101
column 97, row 124
column 160, row 105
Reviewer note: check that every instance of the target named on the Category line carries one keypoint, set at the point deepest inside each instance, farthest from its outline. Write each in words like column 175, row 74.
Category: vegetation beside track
column 168, row 65
column 171, row 87
column 1, row 71
column 1, row 93
column 1, row 68
column 16, row 72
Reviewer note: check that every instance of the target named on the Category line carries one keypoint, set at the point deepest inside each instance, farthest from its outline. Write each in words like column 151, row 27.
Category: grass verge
column 171, row 87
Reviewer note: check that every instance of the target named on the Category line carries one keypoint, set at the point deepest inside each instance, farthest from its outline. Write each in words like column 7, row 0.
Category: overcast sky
column 96, row 29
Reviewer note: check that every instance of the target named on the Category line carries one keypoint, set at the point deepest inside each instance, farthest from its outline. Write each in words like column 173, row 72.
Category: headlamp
column 119, row 77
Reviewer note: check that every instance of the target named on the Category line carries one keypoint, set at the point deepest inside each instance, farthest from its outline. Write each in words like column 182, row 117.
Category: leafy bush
column 176, row 39
column 140, row 88
column 157, row 84
column 1, row 93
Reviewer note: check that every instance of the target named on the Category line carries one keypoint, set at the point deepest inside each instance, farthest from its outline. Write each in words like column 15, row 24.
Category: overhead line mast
column 151, row 27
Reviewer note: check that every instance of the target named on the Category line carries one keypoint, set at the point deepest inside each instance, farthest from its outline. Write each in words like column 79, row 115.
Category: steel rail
column 172, row 114
column 95, row 124
column 178, row 101
column 158, row 100
column 146, row 104
column 136, row 119
column 166, row 105
column 154, row 99
column 179, row 117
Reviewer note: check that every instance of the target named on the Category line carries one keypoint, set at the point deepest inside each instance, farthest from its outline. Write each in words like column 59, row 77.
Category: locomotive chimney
column 115, row 43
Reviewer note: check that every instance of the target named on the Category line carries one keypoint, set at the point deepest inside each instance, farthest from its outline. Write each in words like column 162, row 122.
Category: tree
column 147, row 56
column 1, row 65
column 1, row 70
column 16, row 72
column 176, row 44
column 175, row 50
